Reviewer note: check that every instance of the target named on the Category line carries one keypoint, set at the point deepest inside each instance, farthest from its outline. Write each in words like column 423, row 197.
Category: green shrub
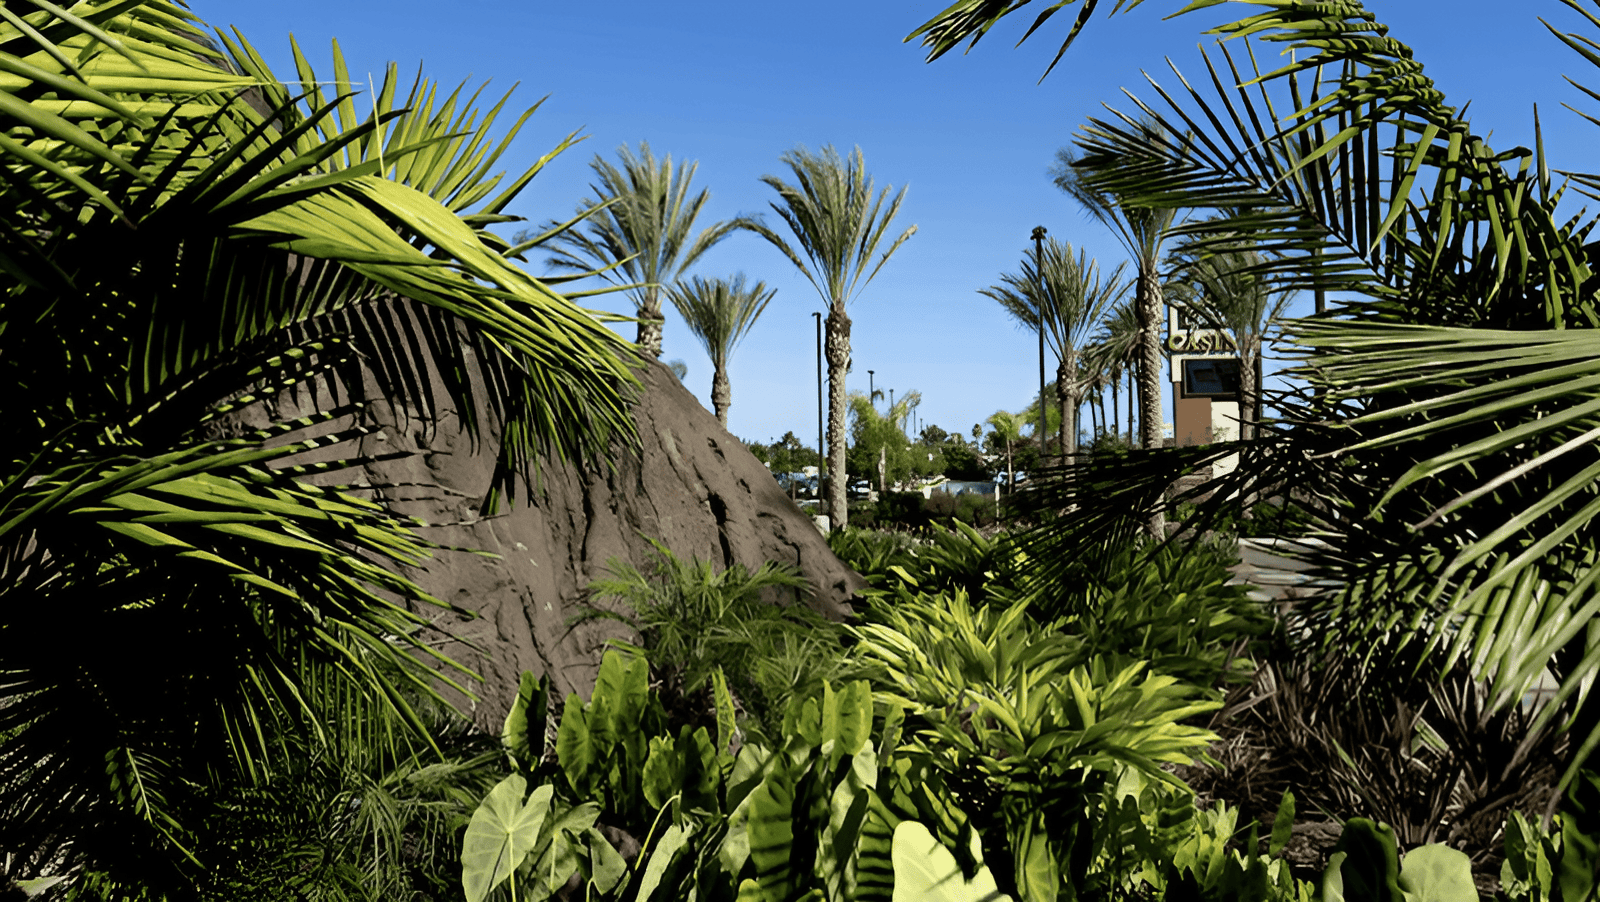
column 694, row 621
column 978, row 510
column 1173, row 608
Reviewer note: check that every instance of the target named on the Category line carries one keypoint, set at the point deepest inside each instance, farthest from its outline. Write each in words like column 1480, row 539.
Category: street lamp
column 871, row 395
column 822, row 454
column 1038, row 272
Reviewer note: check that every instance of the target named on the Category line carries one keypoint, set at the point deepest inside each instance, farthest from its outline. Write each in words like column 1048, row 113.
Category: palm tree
column 1450, row 416
column 832, row 213
column 882, row 432
column 720, row 313
column 1224, row 289
column 1141, row 230
column 1117, row 344
column 638, row 231
column 1007, row 427
column 1067, row 292
column 185, row 259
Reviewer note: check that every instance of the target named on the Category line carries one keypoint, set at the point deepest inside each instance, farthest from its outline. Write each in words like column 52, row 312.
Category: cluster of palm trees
column 1099, row 334
column 638, row 233
column 1447, row 428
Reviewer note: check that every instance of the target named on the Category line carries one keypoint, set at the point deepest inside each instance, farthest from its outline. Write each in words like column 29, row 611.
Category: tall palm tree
column 1115, row 350
column 638, row 231
column 184, row 259
column 839, row 224
column 1067, row 292
column 1141, row 230
column 720, row 313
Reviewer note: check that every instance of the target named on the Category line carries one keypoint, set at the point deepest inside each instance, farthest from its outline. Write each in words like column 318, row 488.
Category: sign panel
column 1211, row 377
column 1189, row 334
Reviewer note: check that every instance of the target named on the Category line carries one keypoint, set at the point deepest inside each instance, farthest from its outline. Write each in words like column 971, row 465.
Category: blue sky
column 734, row 85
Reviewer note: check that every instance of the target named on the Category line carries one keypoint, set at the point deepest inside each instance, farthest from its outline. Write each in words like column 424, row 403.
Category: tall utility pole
column 822, row 450
column 872, row 396
column 1038, row 273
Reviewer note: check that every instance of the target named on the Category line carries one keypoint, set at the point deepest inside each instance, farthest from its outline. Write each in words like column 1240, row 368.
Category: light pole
column 822, row 453
column 891, row 407
column 1038, row 273
column 871, row 395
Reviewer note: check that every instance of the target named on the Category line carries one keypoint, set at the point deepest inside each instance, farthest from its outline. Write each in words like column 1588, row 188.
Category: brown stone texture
column 691, row 485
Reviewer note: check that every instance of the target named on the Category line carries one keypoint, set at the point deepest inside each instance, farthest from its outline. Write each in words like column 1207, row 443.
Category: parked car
column 860, row 489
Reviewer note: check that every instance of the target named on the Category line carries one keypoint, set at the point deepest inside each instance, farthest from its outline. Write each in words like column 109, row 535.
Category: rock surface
column 692, row 486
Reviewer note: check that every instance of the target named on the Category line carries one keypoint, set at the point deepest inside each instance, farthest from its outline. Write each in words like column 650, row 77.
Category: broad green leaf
column 1282, row 824
column 575, row 747
column 663, row 772
column 557, row 855
column 523, row 735
column 1437, row 873
column 501, row 833
column 607, row 868
column 771, row 824
column 925, row 871
column 673, row 841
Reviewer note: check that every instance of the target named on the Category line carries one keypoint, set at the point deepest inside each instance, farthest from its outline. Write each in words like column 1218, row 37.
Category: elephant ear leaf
column 576, row 749
column 1437, row 873
column 523, row 734
column 1371, row 868
column 925, row 870
column 771, row 825
column 502, row 832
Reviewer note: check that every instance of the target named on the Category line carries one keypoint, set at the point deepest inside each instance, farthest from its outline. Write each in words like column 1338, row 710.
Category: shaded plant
column 693, row 620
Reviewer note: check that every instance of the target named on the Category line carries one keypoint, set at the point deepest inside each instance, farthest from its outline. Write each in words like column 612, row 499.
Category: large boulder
column 691, row 485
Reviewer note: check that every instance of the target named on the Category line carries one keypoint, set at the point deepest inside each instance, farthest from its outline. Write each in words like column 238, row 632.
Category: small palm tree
column 720, row 313
column 1007, row 427
column 1068, row 294
column 638, row 231
column 839, row 223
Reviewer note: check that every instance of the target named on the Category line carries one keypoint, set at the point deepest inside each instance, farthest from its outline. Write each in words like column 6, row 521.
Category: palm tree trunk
column 837, row 332
column 1130, row 410
column 1011, row 475
column 1066, row 377
column 1150, row 357
column 1094, row 419
column 650, row 320
column 721, row 394
column 1115, row 426
column 883, row 470
column 1249, row 350
column 1148, row 301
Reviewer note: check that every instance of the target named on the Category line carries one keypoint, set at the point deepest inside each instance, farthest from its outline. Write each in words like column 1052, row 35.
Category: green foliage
column 1366, row 866
column 504, row 829
column 818, row 817
column 1532, row 862
column 694, row 621
column 1043, row 735
column 1171, row 606
column 602, row 746
column 873, row 433
column 785, row 455
column 962, row 462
